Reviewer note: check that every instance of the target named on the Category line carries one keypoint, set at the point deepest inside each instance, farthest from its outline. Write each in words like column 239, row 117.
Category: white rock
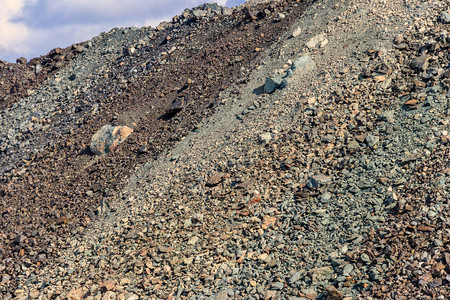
column 318, row 40
column 297, row 32
column 265, row 138
column 193, row 240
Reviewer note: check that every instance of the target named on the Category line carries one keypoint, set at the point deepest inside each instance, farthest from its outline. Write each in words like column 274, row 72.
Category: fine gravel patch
column 332, row 186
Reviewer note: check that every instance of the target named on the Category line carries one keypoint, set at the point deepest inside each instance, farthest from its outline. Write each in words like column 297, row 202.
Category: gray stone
column 199, row 13
column 21, row 61
column 294, row 278
column 388, row 116
column 438, row 243
column 193, row 240
column 319, row 274
column 353, row 145
column 372, row 140
column 277, row 286
column 222, row 295
column 419, row 63
column 365, row 258
column 6, row 278
column 318, row 180
column 272, row 84
column 347, row 269
column 445, row 17
column 175, row 157
column 303, row 64
column 227, row 11
column 326, row 197
column 130, row 51
column 37, row 69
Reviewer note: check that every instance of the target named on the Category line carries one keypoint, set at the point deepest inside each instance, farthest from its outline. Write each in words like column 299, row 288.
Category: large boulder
column 108, row 137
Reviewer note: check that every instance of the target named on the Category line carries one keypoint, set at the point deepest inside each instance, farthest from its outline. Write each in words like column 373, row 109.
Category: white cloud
column 31, row 28
column 13, row 35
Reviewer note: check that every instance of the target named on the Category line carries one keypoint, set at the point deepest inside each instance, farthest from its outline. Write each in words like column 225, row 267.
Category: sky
column 31, row 28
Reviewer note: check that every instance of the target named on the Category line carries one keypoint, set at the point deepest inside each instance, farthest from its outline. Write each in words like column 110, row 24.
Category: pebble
column 365, row 258
column 294, row 278
column 420, row 63
column 297, row 32
column 318, row 180
column 277, row 285
column 445, row 17
column 319, row 40
column 5, row 278
column 265, row 138
column 77, row 293
column 193, row 240
column 281, row 16
column 333, row 293
column 319, row 274
column 348, row 269
column 372, row 140
column 388, row 116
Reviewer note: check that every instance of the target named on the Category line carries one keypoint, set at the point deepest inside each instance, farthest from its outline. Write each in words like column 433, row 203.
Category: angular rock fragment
column 21, row 61
column 215, row 179
column 318, row 180
column 77, row 294
column 130, row 51
column 319, row 274
column 177, row 105
column 268, row 221
column 372, row 140
column 388, row 116
column 333, row 293
column 199, row 13
column 303, row 64
column 108, row 138
column 319, row 40
column 295, row 277
column 272, row 84
column 265, row 138
column 227, row 11
column 445, row 17
column 419, row 63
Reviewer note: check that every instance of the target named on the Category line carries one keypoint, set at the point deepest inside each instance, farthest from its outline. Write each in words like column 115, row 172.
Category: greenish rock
column 272, row 84
column 303, row 63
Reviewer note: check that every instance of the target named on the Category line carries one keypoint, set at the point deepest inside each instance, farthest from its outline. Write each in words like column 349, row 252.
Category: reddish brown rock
column 108, row 138
column 215, row 179
column 77, row 294
column 268, row 221
column 333, row 293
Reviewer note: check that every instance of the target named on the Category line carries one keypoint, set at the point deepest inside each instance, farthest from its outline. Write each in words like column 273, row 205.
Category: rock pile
column 321, row 173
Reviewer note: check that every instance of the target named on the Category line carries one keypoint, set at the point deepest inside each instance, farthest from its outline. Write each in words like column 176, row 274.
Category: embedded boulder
column 108, row 138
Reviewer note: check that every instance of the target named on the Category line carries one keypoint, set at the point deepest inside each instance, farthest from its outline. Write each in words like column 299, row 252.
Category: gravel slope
column 333, row 187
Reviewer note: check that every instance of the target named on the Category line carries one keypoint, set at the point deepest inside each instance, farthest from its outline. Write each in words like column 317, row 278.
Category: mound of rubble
column 305, row 156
